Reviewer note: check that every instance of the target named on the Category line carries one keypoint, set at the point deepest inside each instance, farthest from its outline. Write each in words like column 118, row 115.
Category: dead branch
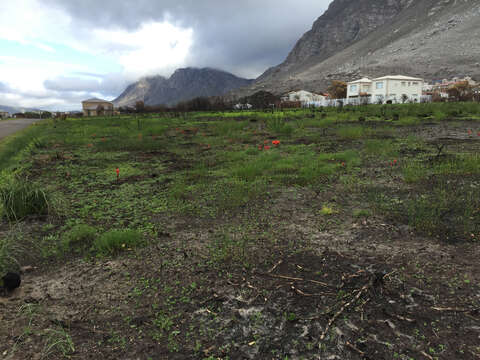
column 275, row 266
column 455, row 309
column 426, row 355
column 354, row 348
column 343, row 308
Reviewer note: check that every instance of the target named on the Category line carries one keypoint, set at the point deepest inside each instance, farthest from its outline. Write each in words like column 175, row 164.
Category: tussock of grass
column 114, row 241
column 21, row 199
column 80, row 236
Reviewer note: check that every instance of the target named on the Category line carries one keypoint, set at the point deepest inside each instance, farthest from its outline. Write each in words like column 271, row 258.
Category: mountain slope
column 13, row 109
column 354, row 38
column 184, row 84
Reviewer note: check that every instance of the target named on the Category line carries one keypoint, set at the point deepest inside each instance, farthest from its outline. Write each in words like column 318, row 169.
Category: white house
column 240, row 106
column 394, row 88
column 362, row 87
column 4, row 115
column 303, row 96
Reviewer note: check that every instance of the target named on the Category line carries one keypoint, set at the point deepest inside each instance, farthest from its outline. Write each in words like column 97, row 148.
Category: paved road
column 8, row 127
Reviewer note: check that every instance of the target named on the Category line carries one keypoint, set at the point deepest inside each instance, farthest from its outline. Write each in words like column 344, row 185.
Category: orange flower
column 90, row 145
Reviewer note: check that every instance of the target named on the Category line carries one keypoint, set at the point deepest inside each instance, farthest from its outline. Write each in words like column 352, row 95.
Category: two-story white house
column 394, row 88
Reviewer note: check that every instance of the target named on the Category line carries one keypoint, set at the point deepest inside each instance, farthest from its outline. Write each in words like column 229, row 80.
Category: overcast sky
column 55, row 53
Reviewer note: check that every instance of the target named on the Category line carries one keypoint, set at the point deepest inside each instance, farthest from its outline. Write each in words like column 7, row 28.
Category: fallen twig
column 354, row 348
column 426, row 355
column 342, row 309
column 275, row 266
column 455, row 309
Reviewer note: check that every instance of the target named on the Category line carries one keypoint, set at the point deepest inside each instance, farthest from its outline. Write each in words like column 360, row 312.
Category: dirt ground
column 359, row 288
column 373, row 291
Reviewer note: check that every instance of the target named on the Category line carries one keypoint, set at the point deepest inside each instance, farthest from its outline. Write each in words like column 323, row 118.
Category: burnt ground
column 303, row 287
column 384, row 295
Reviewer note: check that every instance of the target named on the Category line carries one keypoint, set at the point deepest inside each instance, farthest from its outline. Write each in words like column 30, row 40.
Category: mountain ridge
column 425, row 38
column 184, row 84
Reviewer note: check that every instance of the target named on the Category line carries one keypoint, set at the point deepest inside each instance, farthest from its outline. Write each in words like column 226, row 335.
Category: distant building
column 445, row 84
column 240, row 106
column 391, row 88
column 97, row 107
column 4, row 115
column 303, row 96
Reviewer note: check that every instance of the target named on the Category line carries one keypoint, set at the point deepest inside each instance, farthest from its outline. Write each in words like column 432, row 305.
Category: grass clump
column 114, row 241
column 21, row 199
column 326, row 210
column 80, row 236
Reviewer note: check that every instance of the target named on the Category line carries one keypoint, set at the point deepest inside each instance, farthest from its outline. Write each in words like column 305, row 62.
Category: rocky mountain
column 427, row 38
column 184, row 84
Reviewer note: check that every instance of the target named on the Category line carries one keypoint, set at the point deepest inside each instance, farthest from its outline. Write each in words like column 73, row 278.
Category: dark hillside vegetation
column 341, row 233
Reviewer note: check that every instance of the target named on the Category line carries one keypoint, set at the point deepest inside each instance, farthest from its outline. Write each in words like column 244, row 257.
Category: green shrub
column 80, row 236
column 115, row 240
column 21, row 199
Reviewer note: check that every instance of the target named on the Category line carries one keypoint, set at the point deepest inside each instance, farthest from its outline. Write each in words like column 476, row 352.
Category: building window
column 403, row 83
column 379, row 85
column 353, row 88
column 415, row 83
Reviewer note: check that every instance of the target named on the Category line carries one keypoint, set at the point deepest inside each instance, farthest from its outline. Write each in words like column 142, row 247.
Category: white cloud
column 156, row 47
column 146, row 38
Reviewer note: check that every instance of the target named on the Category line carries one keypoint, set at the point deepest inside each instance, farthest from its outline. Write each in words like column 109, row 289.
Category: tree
column 461, row 91
column 261, row 100
column 140, row 106
column 337, row 89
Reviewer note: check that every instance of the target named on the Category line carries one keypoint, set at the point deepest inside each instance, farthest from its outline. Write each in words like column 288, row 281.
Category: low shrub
column 114, row 241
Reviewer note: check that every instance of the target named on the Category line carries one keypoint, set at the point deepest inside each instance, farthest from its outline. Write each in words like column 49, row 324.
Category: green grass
column 353, row 132
column 20, row 199
column 79, row 237
column 115, row 241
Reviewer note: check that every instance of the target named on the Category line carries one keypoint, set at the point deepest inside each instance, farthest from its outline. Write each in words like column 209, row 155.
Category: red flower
column 266, row 147
column 343, row 164
column 395, row 162
column 276, row 142
column 260, row 147
column 118, row 173
column 469, row 132
column 266, row 142
column 478, row 133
